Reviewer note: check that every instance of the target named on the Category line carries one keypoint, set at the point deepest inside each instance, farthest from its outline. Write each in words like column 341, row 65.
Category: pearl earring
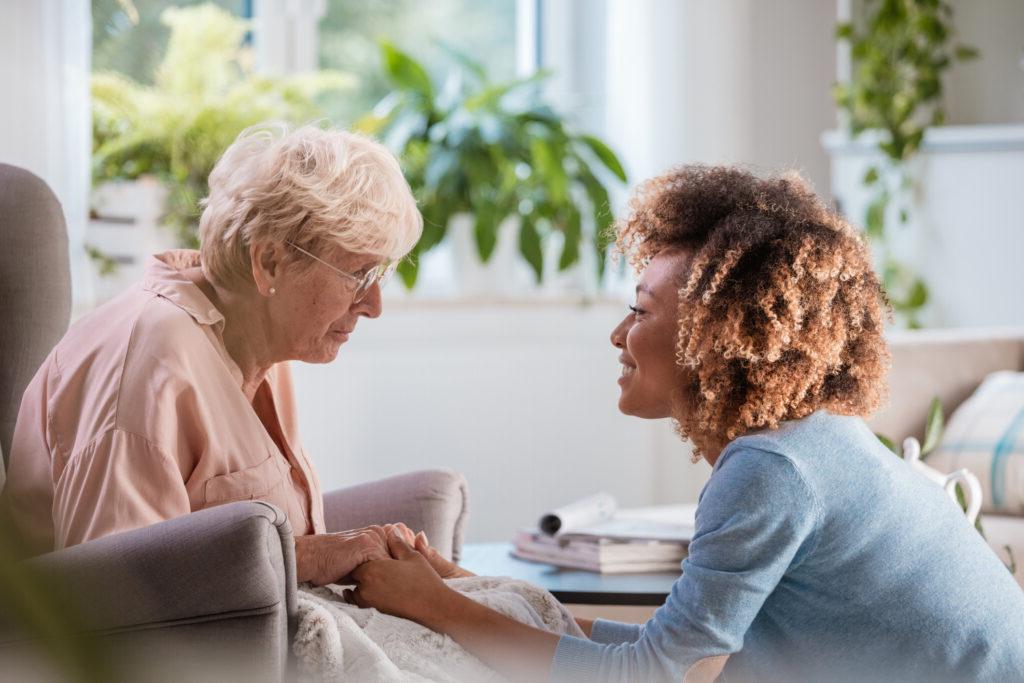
column 273, row 291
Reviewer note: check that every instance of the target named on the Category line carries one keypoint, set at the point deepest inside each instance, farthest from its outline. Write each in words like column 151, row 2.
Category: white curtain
column 45, row 120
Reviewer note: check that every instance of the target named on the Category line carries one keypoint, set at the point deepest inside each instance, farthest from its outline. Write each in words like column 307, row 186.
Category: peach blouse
column 138, row 416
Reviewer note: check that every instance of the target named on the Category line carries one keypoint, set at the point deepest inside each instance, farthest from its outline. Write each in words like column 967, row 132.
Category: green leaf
column 918, row 295
column 875, row 219
column 546, row 162
column 603, row 220
column 408, row 269
column 605, row 154
column 966, row 52
column 485, row 230
column 573, row 232
column 844, row 31
column 405, row 72
column 529, row 245
column 933, row 427
column 435, row 226
column 888, row 443
column 961, row 499
column 871, row 176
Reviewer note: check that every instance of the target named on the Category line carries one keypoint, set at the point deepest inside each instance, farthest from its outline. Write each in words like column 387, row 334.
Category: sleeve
column 119, row 481
column 614, row 632
column 756, row 518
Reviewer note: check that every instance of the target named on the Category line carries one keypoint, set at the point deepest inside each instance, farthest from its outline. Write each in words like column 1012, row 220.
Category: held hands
column 330, row 558
column 407, row 586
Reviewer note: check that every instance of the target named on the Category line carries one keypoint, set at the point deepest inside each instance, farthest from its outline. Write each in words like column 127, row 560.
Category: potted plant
column 900, row 50
column 484, row 153
column 205, row 93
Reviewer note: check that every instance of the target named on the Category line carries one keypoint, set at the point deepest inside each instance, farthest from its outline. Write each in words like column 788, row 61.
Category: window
column 350, row 31
column 128, row 37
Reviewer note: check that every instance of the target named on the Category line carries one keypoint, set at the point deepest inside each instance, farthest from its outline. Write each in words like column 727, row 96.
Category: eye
column 637, row 310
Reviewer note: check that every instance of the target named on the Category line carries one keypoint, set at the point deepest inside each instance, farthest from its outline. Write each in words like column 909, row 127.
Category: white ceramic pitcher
column 972, row 488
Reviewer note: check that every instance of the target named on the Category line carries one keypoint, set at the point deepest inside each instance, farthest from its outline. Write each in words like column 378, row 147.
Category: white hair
column 304, row 186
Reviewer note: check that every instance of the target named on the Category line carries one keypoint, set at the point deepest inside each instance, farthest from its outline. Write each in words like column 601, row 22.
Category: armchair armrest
column 432, row 501
column 214, row 579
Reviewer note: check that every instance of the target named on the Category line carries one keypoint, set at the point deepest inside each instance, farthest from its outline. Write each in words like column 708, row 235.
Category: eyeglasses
column 378, row 274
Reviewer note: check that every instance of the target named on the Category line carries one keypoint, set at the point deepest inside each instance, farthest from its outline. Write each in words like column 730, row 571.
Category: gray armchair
column 211, row 595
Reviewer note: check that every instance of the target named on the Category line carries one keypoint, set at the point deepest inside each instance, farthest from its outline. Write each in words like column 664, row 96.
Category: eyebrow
column 646, row 290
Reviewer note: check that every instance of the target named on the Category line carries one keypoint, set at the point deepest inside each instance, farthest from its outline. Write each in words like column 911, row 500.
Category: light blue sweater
column 820, row 555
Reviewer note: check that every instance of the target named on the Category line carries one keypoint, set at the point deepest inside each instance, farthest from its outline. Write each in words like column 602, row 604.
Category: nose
column 618, row 337
column 371, row 304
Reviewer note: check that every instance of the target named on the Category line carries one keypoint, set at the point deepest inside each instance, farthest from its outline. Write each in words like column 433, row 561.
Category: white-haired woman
column 175, row 395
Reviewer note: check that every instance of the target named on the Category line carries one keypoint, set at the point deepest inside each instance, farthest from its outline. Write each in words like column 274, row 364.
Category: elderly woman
column 176, row 396
column 818, row 554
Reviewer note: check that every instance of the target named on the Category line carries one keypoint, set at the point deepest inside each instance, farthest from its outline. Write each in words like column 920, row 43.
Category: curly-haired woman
column 818, row 555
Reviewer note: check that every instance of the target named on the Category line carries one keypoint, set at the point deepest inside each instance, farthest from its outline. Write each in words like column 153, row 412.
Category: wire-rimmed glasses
column 379, row 274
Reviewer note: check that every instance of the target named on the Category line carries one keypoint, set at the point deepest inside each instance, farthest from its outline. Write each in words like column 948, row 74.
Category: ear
column 266, row 260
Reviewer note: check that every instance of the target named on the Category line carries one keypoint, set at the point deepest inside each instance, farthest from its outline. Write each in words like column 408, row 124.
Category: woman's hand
column 409, row 587
column 329, row 558
column 406, row 586
column 444, row 567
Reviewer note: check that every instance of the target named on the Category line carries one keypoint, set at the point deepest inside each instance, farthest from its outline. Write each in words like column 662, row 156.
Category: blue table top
column 570, row 586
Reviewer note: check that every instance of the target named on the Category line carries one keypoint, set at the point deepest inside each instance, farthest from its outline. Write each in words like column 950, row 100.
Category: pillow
column 986, row 436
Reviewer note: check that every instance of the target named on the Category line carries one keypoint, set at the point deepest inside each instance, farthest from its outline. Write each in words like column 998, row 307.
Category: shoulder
column 164, row 328
column 758, row 482
column 758, row 470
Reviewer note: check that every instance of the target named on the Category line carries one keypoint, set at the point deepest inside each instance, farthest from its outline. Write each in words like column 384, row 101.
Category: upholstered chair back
column 35, row 286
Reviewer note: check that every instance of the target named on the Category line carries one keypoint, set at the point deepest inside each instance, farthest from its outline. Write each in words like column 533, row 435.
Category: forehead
column 348, row 260
column 666, row 270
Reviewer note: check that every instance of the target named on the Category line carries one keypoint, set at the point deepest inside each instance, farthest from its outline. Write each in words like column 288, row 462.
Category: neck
column 246, row 325
column 710, row 449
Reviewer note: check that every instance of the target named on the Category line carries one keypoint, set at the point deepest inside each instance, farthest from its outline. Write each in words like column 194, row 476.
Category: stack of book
column 595, row 535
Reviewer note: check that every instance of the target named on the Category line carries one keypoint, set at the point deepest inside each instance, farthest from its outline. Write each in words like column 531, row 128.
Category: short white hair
column 305, row 185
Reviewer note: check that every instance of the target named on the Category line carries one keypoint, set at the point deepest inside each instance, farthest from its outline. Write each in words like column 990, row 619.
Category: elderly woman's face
column 647, row 339
column 315, row 309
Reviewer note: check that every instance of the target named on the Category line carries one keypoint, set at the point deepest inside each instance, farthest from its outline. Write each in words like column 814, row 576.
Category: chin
column 323, row 354
column 644, row 412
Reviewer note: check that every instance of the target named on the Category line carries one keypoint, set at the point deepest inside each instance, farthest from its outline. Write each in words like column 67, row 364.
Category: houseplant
column 493, row 151
column 900, row 50
column 205, row 93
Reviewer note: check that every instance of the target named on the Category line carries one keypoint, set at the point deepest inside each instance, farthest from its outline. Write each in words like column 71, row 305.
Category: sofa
column 207, row 596
column 950, row 364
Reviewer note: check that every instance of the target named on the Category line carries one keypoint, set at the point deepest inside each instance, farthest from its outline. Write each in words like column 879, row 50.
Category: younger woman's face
column 647, row 336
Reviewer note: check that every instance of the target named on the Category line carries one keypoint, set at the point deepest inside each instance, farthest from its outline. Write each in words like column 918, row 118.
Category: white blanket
column 337, row 641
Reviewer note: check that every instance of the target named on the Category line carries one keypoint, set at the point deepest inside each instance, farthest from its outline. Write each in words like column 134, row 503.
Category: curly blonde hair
column 780, row 314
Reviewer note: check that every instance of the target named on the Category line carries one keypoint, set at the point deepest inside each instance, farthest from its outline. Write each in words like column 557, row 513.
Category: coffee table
column 570, row 586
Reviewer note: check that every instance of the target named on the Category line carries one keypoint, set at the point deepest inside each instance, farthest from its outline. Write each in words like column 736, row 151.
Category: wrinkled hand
column 406, row 586
column 329, row 558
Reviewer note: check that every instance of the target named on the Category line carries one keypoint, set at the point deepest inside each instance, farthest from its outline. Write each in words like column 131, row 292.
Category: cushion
column 986, row 436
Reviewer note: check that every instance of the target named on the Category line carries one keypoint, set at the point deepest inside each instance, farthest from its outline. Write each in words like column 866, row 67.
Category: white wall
column 731, row 81
column 989, row 89
column 521, row 399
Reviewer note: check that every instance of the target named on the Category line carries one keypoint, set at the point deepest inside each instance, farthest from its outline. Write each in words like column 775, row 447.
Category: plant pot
column 454, row 269
column 125, row 228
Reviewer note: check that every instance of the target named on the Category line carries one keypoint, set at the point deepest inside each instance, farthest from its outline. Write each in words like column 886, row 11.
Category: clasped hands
column 393, row 569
